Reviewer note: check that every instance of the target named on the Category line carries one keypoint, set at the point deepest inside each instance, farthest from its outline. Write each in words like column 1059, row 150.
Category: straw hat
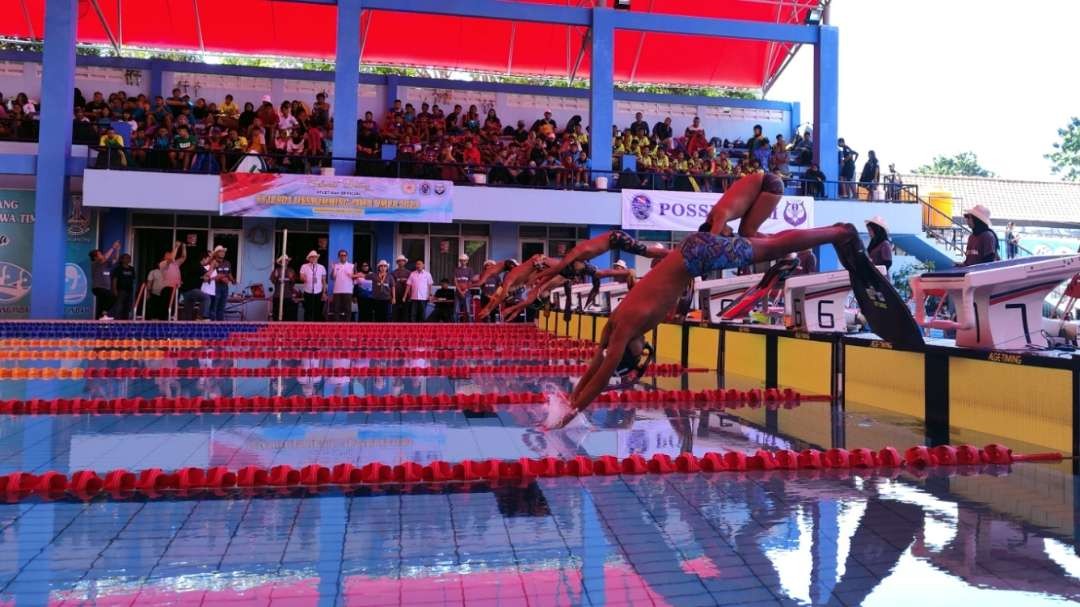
column 489, row 262
column 620, row 264
column 284, row 259
column 313, row 253
column 463, row 257
column 401, row 258
column 219, row 248
column 979, row 212
column 513, row 261
column 879, row 221
column 382, row 262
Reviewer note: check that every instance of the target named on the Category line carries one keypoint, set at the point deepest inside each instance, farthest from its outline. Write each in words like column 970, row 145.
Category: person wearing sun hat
column 283, row 278
column 313, row 279
column 463, row 276
column 982, row 244
column 880, row 248
column 400, row 275
column 382, row 291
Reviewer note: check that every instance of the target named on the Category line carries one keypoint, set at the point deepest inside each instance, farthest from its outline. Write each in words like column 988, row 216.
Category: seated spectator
column 175, row 103
column 545, row 127
column 453, row 120
column 492, row 124
column 247, row 117
column 286, row 121
column 296, row 152
column 813, row 181
column 182, row 149
column 111, row 154
column 779, row 159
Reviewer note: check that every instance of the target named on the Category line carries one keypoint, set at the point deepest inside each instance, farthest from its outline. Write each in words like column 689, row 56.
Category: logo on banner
column 641, row 207
column 78, row 224
column 14, row 282
column 408, row 188
column 75, row 284
column 795, row 213
column 4, row 240
column 440, row 189
column 425, row 188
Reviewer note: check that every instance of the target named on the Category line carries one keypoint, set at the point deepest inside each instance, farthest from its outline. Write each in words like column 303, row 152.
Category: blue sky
column 926, row 77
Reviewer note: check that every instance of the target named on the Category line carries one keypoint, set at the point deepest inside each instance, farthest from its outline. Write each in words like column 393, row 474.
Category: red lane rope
column 426, row 341
column 714, row 400
column 155, row 482
column 450, row 371
column 388, row 354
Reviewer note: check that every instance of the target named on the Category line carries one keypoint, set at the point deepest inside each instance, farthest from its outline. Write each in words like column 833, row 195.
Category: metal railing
column 947, row 230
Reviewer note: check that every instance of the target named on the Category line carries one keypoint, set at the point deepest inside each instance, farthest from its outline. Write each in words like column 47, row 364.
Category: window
column 555, row 241
column 440, row 244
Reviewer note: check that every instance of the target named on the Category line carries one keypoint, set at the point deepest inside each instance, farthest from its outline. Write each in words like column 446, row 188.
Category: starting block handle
column 947, row 325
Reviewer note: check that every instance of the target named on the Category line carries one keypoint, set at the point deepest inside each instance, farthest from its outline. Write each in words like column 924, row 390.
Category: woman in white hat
column 284, row 280
column 382, row 291
column 982, row 245
column 463, row 276
column 880, row 249
column 313, row 279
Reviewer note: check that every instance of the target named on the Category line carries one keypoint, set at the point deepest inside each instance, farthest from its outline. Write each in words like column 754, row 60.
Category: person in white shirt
column 209, row 286
column 418, row 291
column 342, row 272
column 313, row 277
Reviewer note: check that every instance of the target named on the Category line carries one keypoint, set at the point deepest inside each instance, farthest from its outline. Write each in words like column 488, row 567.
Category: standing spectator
column 343, row 273
column 893, row 184
column 101, row 284
column 284, row 281
column 490, row 286
column 814, row 181
column 401, row 281
column 382, row 291
column 123, row 287
column 418, row 291
column 171, row 273
column 222, row 280
column 848, row 158
column 192, row 281
column 1012, row 241
column 758, row 147
column 638, row 125
column 362, row 286
column 463, row 300
column 313, row 277
column 209, row 284
column 444, row 303
column 871, row 175
column 880, row 249
column 157, row 293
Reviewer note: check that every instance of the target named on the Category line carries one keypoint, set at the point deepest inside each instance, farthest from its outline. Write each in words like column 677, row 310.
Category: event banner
column 17, row 213
column 336, row 197
column 686, row 211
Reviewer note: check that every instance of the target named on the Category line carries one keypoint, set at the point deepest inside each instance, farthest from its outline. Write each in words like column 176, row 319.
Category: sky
column 919, row 78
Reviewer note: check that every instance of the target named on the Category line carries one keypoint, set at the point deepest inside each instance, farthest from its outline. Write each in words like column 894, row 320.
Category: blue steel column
column 346, row 88
column 826, row 93
column 54, row 149
column 604, row 261
column 601, row 88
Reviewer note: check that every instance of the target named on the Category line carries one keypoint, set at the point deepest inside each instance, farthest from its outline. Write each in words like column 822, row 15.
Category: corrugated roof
column 1047, row 202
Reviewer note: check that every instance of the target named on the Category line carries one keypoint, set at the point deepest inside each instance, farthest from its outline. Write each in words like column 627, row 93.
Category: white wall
column 244, row 89
column 17, row 77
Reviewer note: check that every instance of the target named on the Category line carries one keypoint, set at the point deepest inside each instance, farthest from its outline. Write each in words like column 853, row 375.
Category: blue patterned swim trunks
column 704, row 252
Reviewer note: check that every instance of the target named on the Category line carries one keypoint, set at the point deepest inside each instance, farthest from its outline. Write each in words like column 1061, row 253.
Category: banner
column 685, row 211
column 336, row 197
column 17, row 213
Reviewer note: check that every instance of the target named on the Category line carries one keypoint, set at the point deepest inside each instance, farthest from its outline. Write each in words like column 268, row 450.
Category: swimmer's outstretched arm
column 586, row 250
column 511, row 312
column 514, row 278
column 486, row 274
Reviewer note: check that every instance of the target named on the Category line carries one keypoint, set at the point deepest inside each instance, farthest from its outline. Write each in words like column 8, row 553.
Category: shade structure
column 299, row 29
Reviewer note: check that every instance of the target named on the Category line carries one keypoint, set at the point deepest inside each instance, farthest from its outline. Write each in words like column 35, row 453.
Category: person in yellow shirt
column 228, row 108
column 112, row 149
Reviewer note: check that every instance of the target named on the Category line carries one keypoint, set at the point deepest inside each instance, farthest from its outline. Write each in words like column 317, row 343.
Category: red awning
column 275, row 27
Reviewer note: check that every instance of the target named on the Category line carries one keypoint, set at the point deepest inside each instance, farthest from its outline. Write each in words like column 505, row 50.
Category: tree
column 963, row 164
column 1065, row 159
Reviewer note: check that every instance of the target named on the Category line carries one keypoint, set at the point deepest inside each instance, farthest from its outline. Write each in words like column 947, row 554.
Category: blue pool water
column 986, row 537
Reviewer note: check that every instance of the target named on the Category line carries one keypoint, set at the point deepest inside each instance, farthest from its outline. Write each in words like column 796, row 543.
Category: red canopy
column 275, row 27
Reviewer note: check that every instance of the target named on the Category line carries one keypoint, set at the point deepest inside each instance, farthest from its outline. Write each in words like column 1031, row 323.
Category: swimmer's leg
column 790, row 241
column 733, row 204
column 772, row 190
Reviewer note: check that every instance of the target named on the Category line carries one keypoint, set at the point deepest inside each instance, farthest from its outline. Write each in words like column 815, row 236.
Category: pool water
column 986, row 536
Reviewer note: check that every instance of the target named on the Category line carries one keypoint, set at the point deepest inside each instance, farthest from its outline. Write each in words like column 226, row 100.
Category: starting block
column 608, row 298
column 715, row 296
column 815, row 303
column 998, row 305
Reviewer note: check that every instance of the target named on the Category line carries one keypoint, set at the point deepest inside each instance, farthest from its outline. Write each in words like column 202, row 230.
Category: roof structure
column 307, row 29
column 1037, row 202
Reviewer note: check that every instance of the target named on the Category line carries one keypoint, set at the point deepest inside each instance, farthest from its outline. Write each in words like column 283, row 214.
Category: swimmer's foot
column 849, row 248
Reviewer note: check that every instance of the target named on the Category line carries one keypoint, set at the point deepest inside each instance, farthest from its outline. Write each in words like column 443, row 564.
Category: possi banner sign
column 336, row 197
column 686, row 211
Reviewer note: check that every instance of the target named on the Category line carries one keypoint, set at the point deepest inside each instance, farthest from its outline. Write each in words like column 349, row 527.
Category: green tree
column 963, row 164
column 1065, row 159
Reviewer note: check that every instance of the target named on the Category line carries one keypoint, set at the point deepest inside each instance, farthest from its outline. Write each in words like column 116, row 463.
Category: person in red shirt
column 470, row 154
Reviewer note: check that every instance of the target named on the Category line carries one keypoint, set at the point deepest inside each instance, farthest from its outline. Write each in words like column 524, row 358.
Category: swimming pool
column 948, row 535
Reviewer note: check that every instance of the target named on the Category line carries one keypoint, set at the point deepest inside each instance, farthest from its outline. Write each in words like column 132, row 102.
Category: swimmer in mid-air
column 619, row 272
column 752, row 199
column 659, row 291
column 517, row 275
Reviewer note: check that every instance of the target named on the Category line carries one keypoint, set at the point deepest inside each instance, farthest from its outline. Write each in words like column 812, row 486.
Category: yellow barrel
column 943, row 202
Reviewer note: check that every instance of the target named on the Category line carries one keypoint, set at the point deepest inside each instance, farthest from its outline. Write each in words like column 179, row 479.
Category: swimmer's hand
column 559, row 412
column 726, row 231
